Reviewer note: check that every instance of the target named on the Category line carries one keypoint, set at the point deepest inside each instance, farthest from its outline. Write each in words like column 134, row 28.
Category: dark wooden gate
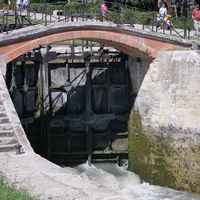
column 73, row 111
column 89, row 114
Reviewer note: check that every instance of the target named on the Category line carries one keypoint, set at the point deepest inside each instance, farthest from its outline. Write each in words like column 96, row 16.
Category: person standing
column 196, row 18
column 158, row 20
column 5, row 6
column 18, row 5
column 24, row 6
column 163, row 11
column 103, row 11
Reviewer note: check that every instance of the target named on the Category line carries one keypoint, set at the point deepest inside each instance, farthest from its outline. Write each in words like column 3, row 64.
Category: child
column 168, row 22
column 158, row 20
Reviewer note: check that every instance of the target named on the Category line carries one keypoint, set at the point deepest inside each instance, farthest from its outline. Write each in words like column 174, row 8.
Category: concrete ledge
column 45, row 180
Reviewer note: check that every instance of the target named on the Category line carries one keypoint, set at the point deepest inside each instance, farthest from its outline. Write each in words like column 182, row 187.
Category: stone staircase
column 8, row 139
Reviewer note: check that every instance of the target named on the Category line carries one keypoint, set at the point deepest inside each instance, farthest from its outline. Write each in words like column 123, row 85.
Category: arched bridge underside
column 103, row 98
column 133, row 42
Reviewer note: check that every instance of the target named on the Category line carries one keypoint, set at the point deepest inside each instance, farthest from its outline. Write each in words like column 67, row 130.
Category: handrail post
column 143, row 22
column 50, row 15
column 45, row 14
column 119, row 12
column 153, row 22
column 189, row 33
column 83, row 10
column 185, row 28
column 29, row 14
column 65, row 12
column 171, row 26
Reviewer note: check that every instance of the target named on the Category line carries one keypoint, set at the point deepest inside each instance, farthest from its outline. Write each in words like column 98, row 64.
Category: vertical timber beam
column 41, row 108
column 46, row 102
column 88, row 108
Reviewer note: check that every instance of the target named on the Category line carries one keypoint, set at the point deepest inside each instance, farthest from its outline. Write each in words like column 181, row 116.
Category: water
column 121, row 180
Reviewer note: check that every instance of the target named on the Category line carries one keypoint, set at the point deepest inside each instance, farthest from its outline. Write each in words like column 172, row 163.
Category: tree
column 143, row 4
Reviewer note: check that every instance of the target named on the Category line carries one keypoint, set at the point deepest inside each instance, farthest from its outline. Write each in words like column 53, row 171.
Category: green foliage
column 70, row 4
column 10, row 193
column 45, row 8
column 137, row 17
column 180, row 22
column 68, row 8
column 143, row 4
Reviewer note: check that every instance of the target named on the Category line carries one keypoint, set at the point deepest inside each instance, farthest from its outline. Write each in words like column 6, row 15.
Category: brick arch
column 132, row 45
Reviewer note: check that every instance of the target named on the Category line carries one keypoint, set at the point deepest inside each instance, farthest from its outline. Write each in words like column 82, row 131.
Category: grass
column 11, row 193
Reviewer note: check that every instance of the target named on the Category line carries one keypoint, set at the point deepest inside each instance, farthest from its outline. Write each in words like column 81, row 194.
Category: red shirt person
column 196, row 18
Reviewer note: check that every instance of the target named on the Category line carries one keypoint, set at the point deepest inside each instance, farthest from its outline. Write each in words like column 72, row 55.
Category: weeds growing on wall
column 10, row 192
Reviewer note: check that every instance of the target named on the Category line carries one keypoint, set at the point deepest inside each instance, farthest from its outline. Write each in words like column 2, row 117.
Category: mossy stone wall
column 164, row 124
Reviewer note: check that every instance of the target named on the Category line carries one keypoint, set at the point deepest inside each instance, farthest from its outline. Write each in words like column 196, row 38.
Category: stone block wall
column 11, row 130
column 164, row 134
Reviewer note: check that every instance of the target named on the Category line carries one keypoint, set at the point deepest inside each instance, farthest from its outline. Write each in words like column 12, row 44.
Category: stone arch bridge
column 137, row 43
column 164, row 122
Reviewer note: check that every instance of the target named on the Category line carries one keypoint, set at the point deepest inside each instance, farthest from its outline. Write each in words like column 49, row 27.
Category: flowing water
column 121, row 180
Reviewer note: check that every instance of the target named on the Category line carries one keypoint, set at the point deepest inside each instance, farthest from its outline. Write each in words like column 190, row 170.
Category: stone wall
column 164, row 134
column 11, row 130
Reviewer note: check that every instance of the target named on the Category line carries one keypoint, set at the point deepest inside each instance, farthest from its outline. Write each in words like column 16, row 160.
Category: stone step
column 7, row 148
column 6, row 127
column 7, row 140
column 3, row 114
column 7, row 133
column 4, row 120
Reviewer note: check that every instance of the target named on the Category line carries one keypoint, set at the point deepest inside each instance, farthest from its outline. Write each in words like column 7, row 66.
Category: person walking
column 6, row 6
column 18, row 5
column 103, row 11
column 24, row 6
column 196, row 19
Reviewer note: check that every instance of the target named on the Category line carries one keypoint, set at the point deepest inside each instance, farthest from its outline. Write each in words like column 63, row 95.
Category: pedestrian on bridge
column 163, row 11
column 6, row 4
column 160, row 16
column 18, row 5
column 25, row 6
column 196, row 18
column 158, row 20
column 103, row 11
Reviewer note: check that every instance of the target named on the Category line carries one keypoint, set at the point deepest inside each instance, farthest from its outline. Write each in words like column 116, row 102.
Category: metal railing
column 46, row 13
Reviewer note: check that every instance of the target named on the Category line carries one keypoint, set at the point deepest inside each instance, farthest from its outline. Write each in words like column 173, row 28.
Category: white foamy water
column 121, row 180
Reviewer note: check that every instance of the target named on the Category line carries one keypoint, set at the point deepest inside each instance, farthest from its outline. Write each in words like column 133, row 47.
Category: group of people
column 163, row 20
column 21, row 5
